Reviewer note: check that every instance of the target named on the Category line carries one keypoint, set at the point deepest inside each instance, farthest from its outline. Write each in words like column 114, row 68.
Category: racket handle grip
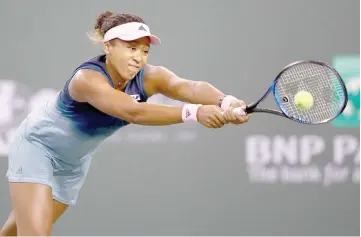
column 237, row 111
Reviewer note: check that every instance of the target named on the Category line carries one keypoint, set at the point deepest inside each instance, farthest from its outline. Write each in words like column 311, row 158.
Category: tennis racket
column 319, row 79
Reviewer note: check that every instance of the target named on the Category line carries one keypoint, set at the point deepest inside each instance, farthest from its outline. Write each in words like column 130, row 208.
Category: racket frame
column 252, row 107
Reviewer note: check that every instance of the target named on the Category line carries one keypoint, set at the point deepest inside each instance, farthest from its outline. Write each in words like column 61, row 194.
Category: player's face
column 128, row 57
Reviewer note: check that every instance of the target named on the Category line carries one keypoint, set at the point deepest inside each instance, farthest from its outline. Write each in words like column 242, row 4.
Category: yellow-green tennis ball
column 303, row 100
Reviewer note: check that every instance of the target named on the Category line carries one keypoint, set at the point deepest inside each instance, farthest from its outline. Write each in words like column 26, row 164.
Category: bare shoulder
column 152, row 72
column 85, row 81
column 156, row 78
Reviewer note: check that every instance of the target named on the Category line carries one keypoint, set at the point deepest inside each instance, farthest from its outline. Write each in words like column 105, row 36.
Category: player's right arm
column 92, row 87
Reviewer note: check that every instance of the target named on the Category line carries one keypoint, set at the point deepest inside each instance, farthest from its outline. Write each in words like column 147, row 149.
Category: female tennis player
column 51, row 152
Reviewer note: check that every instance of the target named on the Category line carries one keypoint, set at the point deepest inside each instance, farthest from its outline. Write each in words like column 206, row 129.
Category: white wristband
column 189, row 112
column 226, row 102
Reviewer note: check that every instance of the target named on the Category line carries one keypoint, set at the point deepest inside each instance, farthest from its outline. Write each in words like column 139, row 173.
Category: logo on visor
column 142, row 28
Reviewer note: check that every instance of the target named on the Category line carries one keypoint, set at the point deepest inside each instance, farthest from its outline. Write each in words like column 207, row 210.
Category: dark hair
column 108, row 20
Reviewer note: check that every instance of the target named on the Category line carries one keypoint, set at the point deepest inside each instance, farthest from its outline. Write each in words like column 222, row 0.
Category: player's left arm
column 169, row 84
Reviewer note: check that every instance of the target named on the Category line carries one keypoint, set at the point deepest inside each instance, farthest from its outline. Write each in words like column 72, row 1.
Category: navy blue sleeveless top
column 86, row 118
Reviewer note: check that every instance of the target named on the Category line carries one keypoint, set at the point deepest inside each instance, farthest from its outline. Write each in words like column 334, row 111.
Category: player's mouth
column 134, row 67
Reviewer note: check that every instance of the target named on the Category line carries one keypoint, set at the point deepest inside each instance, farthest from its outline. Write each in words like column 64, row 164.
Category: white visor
column 130, row 31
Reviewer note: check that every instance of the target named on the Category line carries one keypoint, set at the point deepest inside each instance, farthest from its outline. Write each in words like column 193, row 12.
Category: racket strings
column 321, row 82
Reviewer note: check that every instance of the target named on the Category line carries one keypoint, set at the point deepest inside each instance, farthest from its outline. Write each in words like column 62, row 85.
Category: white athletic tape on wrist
column 189, row 113
column 226, row 102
